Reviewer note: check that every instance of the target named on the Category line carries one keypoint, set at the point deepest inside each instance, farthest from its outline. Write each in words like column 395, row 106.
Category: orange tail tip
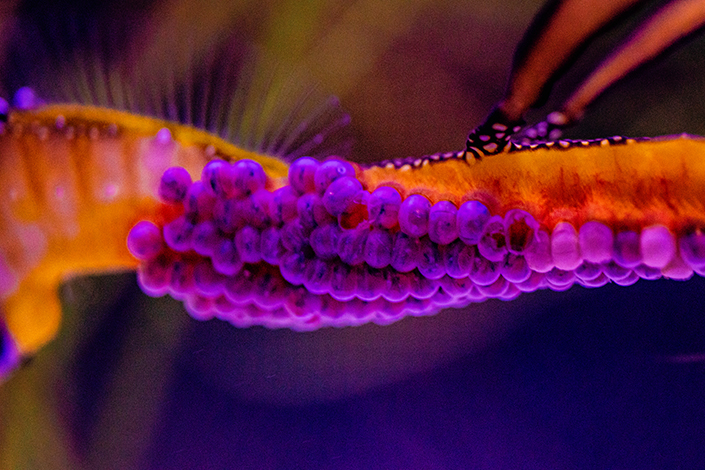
column 75, row 180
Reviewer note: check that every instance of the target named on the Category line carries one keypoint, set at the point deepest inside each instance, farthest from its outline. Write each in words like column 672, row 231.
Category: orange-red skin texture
column 627, row 185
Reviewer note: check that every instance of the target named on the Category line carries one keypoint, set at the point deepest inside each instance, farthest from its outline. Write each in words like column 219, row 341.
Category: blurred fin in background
column 558, row 35
column 168, row 64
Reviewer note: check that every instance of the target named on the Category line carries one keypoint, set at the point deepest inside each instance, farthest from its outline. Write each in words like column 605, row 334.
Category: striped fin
column 561, row 31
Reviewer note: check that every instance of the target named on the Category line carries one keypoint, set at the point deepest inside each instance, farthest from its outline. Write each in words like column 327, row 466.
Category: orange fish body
column 76, row 179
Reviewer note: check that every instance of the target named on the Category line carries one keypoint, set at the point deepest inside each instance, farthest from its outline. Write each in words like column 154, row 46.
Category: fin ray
column 230, row 89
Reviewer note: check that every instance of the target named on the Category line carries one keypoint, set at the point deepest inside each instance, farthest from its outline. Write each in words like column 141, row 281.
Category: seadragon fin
column 227, row 87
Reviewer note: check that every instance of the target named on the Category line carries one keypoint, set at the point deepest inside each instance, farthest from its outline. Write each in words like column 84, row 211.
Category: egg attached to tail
column 338, row 244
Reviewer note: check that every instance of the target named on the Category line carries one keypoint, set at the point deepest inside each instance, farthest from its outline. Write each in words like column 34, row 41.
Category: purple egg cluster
column 323, row 250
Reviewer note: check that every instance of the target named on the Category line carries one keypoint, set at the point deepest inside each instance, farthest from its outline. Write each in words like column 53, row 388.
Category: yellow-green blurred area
column 606, row 378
